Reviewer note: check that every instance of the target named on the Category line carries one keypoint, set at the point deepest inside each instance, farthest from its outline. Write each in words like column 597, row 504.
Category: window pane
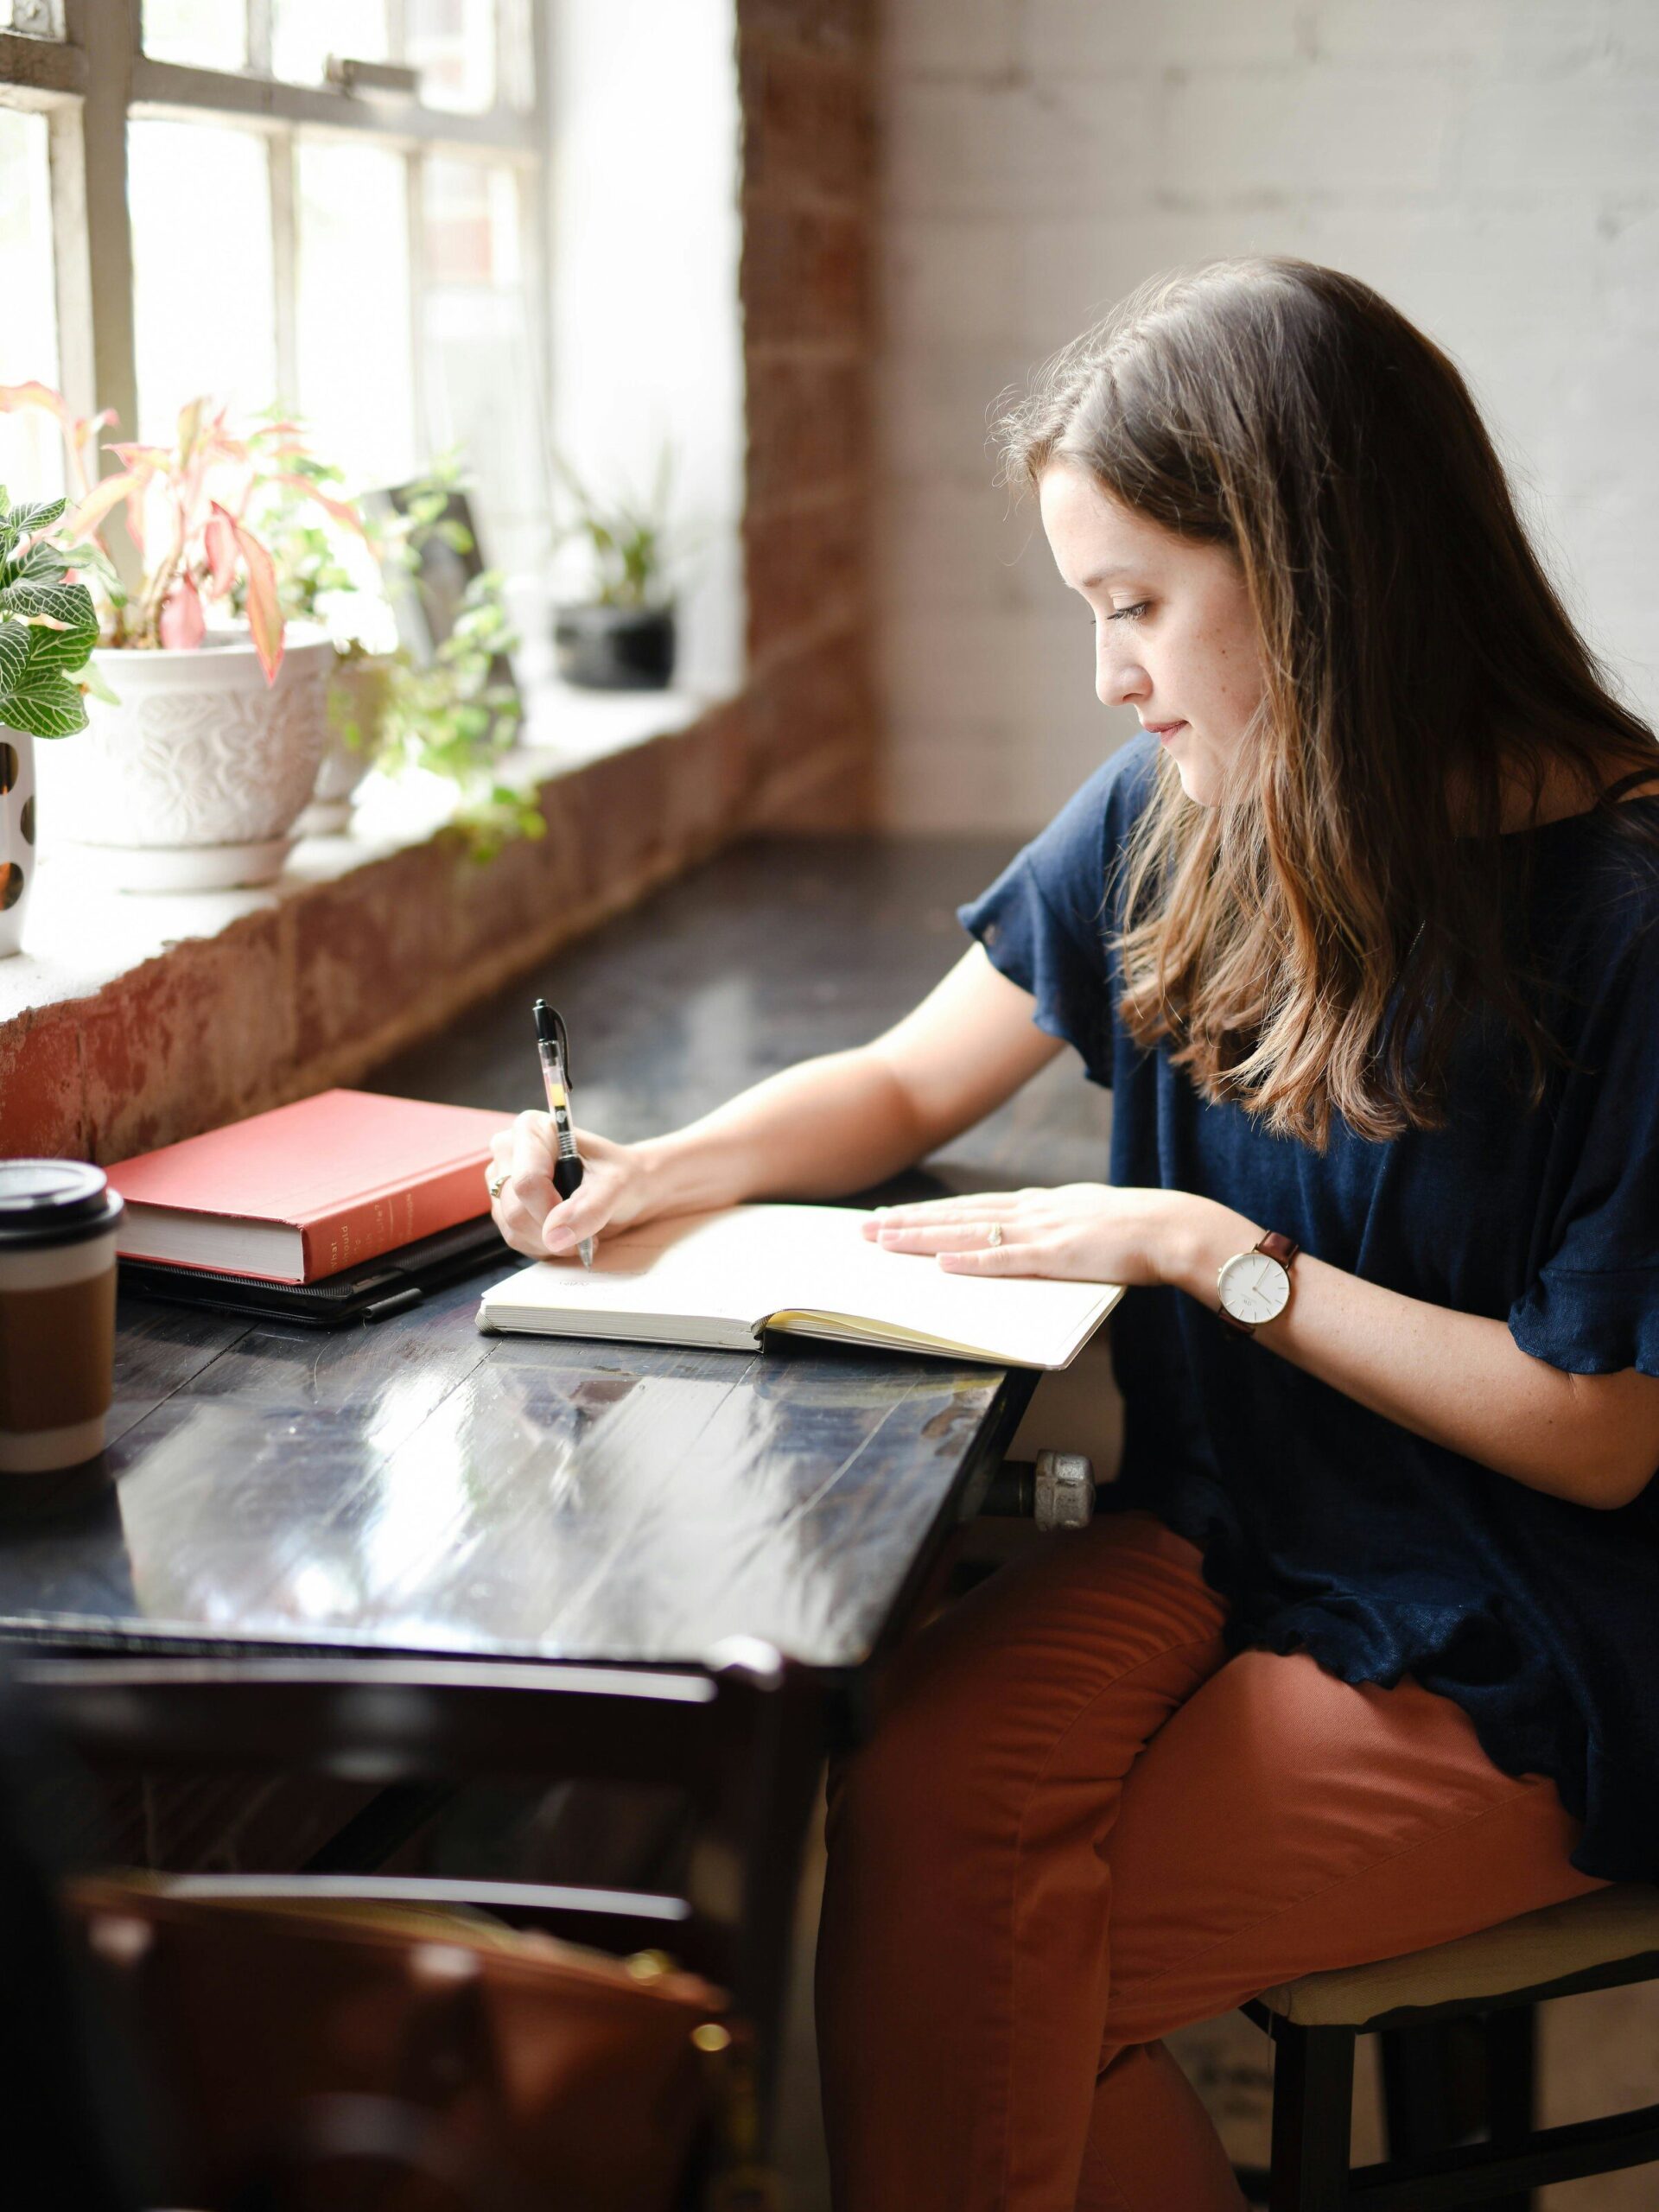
column 31, row 460
column 209, row 34
column 354, row 320
column 199, row 196
column 480, row 364
column 304, row 33
column 517, row 65
column 40, row 18
column 452, row 43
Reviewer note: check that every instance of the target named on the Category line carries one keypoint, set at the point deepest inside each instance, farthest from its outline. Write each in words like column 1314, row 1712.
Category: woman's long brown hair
column 1315, row 943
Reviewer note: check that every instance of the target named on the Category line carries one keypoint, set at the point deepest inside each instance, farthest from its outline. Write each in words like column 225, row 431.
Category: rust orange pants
column 1080, row 1825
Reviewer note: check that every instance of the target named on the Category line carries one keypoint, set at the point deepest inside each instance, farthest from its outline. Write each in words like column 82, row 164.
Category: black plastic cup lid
column 53, row 1202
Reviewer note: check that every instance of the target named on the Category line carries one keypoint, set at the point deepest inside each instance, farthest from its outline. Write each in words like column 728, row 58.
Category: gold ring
column 496, row 1184
column 996, row 1237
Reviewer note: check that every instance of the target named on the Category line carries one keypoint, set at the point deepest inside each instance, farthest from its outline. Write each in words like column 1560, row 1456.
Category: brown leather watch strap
column 1277, row 1246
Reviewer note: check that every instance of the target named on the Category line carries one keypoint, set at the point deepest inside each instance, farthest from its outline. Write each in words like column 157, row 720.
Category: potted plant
column 455, row 718
column 48, row 625
column 329, row 573
column 622, row 638
column 203, row 736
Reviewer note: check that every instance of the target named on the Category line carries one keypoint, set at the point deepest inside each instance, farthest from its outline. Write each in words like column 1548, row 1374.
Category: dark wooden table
column 413, row 1486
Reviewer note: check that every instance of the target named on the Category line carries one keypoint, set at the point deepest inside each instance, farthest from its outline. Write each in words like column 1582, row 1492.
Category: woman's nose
column 1118, row 680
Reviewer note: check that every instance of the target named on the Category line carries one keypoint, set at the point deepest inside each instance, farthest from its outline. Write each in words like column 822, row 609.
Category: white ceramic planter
column 195, row 780
column 16, row 833
column 356, row 699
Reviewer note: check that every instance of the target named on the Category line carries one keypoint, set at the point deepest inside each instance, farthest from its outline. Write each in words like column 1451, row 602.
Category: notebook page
column 750, row 1262
column 1026, row 1320
column 689, row 1269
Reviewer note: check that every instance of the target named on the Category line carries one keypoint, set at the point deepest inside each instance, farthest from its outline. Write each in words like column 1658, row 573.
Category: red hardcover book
column 306, row 1190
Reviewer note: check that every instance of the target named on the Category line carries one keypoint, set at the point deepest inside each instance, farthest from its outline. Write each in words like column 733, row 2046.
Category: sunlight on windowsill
column 81, row 935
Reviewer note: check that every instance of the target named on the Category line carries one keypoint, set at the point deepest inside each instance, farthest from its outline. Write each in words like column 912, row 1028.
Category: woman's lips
column 1163, row 731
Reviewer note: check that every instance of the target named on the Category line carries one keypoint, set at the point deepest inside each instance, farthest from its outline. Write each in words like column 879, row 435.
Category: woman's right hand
column 529, row 1212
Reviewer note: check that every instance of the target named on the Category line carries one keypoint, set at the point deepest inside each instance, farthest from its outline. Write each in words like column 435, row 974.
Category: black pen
column 553, row 1049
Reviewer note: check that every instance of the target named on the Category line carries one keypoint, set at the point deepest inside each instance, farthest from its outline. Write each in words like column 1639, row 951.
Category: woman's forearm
column 818, row 1130
column 1459, row 1379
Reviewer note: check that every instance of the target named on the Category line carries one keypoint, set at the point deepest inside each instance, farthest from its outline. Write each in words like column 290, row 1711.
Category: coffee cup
column 58, row 1223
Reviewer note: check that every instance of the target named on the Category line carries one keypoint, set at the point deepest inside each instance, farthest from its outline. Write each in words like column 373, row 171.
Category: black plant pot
column 615, row 648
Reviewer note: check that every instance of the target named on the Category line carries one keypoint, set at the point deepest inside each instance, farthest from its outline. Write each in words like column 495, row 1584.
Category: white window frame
column 91, row 81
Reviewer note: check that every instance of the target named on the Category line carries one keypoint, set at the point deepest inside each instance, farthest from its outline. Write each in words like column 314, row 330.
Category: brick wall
column 807, row 79
column 1492, row 166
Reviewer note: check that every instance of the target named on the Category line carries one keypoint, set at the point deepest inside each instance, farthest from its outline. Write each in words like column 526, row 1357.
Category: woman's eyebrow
column 1104, row 576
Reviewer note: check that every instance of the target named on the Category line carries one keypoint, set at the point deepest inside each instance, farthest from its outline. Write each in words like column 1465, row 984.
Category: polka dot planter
column 17, row 834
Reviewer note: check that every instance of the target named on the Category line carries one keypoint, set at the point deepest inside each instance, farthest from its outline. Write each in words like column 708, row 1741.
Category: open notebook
column 723, row 1279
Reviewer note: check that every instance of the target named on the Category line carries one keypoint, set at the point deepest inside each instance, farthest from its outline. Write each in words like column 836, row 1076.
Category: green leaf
column 93, row 683
column 42, row 562
column 54, row 602
column 27, row 520
column 67, row 648
column 46, row 705
column 14, row 654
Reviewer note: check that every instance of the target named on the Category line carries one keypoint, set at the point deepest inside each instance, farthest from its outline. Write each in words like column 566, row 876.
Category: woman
column 1361, row 934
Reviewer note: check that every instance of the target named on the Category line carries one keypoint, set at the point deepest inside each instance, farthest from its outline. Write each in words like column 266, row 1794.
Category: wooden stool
column 1599, row 1942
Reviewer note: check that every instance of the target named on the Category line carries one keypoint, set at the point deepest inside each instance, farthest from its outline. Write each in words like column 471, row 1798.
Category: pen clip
column 561, row 1039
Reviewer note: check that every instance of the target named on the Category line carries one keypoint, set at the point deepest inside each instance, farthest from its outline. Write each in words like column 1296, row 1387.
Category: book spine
column 390, row 1218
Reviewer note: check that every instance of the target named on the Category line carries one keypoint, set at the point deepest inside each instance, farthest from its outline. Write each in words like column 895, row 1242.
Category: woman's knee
column 1089, row 1645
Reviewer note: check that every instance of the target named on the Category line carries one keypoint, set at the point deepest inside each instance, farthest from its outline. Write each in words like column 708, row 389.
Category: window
column 329, row 205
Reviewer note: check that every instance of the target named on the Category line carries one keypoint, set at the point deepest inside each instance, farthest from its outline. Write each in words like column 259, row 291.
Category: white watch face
column 1254, row 1287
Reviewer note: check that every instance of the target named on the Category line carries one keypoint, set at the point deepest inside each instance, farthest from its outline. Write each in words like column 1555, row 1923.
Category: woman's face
column 1173, row 634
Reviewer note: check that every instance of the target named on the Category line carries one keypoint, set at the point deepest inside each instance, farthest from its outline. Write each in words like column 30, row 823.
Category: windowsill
column 82, row 935
column 134, row 1019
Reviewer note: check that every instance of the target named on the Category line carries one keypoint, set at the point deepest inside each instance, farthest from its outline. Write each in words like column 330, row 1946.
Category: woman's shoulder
column 1594, row 911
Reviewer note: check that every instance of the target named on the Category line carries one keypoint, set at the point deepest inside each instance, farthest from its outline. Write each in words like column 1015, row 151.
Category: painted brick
column 935, row 409
column 1316, row 129
column 950, row 547
column 966, row 38
column 1496, row 35
column 947, row 280
column 1077, row 38
column 1594, row 130
column 1033, row 147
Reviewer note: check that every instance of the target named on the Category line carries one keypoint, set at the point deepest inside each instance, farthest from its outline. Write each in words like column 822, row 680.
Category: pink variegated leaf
column 183, row 624
column 264, row 608
column 83, row 521
column 34, row 394
column 339, row 510
column 193, row 421
column 219, row 541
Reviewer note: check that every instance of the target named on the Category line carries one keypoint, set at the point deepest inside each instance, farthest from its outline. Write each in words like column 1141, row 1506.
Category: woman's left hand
column 1081, row 1232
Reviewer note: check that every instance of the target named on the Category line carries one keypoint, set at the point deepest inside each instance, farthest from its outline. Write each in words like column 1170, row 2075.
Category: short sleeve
column 1592, row 1305
column 1043, row 923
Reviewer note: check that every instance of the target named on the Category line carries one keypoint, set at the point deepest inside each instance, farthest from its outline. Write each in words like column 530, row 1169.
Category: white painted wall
column 646, row 337
column 1491, row 166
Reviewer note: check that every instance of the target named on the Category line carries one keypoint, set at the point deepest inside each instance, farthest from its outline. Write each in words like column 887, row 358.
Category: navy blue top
column 1326, row 1527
